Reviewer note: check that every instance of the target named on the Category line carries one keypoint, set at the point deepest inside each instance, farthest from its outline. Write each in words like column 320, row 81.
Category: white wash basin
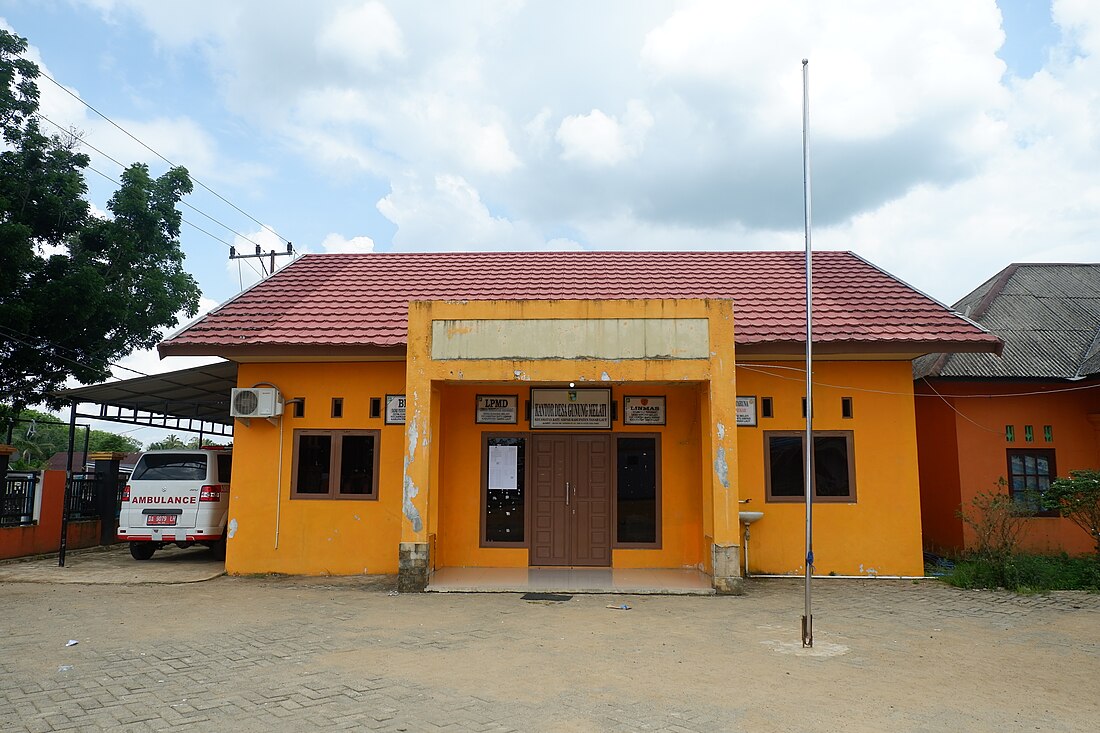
column 750, row 517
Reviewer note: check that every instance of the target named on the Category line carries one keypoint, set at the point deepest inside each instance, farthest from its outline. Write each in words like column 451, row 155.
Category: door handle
column 567, row 493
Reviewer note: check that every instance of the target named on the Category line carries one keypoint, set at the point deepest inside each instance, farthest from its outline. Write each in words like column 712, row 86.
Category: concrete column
column 720, row 424
column 106, row 481
column 414, row 552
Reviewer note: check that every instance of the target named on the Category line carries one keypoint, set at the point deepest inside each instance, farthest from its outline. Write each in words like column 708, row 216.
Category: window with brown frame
column 834, row 466
column 1030, row 471
column 335, row 464
column 503, row 495
column 637, row 490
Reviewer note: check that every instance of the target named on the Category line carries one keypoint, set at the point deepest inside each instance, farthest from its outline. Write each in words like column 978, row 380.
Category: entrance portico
column 587, row 484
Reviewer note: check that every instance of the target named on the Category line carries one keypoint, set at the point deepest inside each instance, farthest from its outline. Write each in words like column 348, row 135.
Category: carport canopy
column 194, row 400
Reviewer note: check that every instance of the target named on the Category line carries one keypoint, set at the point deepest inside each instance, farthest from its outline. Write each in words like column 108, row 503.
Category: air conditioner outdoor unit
column 256, row 402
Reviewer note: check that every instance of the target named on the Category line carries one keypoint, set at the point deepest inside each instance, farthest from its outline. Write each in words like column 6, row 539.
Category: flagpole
column 808, row 446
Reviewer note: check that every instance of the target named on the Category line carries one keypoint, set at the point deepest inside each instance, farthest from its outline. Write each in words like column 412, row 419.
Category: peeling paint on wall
column 232, row 527
column 721, row 431
column 520, row 374
column 721, row 467
column 410, row 489
column 605, row 377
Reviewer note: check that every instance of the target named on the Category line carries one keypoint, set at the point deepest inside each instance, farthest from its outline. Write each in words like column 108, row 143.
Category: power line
column 126, row 132
column 123, row 165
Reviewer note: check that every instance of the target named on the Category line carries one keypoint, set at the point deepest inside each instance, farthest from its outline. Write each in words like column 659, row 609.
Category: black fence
column 82, row 503
column 17, row 499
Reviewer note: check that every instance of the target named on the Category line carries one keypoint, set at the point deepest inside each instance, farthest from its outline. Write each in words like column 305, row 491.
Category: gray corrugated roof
column 1048, row 316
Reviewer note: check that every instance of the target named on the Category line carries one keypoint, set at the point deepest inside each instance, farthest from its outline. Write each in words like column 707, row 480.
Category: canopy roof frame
column 192, row 400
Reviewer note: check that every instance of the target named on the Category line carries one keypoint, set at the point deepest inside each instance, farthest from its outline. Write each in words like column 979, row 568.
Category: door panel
column 574, row 529
column 591, row 500
column 550, row 514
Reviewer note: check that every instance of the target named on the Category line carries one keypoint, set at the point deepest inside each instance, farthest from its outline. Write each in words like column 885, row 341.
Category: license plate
column 162, row 520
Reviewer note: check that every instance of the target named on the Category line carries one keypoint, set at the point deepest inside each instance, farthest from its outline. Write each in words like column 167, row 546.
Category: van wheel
column 142, row 550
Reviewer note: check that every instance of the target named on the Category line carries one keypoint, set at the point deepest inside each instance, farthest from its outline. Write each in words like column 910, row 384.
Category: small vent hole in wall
column 846, row 407
column 1048, row 433
column 376, row 407
column 1029, row 434
column 337, row 406
column 1010, row 433
column 766, row 407
column 299, row 407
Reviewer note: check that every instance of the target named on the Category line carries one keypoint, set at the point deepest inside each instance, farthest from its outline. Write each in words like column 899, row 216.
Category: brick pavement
column 302, row 654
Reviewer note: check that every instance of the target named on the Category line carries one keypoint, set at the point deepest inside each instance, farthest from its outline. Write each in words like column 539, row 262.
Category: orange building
column 448, row 412
column 1024, row 417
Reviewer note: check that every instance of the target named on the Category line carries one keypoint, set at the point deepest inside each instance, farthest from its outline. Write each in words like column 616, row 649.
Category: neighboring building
column 60, row 461
column 1027, row 416
column 603, row 409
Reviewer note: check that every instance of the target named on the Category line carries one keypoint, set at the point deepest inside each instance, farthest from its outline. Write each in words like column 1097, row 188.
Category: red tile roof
column 339, row 301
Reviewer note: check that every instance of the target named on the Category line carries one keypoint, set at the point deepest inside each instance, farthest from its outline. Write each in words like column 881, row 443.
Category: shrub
column 1027, row 573
column 997, row 521
column 1078, row 499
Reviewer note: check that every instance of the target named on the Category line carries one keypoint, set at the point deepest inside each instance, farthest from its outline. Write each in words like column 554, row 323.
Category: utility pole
column 260, row 254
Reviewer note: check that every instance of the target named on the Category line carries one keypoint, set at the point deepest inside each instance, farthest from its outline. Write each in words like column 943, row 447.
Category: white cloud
column 451, row 215
column 361, row 36
column 337, row 243
column 599, row 140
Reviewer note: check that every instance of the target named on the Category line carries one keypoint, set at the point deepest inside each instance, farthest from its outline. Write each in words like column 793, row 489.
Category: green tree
column 172, row 441
column 1078, row 499
column 76, row 291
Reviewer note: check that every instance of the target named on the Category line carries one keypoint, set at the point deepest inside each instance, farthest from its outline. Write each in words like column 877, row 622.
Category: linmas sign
column 570, row 408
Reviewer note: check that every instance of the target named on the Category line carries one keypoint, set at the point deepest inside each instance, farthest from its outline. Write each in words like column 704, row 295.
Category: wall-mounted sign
column 746, row 412
column 644, row 410
column 570, row 408
column 497, row 409
column 395, row 409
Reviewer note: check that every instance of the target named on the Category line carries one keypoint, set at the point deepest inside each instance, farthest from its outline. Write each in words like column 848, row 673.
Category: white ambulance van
column 176, row 497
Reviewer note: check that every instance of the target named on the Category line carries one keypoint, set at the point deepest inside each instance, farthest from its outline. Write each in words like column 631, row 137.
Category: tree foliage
column 174, row 441
column 37, row 436
column 1078, row 499
column 76, row 291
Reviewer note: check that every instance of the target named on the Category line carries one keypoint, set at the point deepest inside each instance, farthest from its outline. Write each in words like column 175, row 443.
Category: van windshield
column 170, row 467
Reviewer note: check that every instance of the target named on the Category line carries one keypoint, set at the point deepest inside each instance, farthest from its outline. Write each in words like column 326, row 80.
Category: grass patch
column 1027, row 573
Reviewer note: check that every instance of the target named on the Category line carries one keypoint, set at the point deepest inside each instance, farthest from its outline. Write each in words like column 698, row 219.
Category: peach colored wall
column 938, row 462
column 316, row 537
column 460, row 494
column 981, row 448
column 45, row 536
column 879, row 533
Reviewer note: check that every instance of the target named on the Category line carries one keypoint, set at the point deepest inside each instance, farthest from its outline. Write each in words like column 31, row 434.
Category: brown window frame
column 615, row 544
column 334, row 461
column 1047, row 453
column 848, row 435
column 484, row 493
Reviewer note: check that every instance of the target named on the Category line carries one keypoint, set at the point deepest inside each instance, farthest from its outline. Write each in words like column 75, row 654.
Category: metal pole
column 68, row 483
column 808, row 447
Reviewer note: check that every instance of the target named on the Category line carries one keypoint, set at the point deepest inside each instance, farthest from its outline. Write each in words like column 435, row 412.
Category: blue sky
column 949, row 139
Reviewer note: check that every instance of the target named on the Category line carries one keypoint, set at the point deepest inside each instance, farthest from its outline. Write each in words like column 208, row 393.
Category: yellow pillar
column 720, row 398
column 414, row 561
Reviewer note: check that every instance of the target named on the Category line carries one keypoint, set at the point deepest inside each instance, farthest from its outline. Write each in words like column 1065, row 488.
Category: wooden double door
column 571, row 507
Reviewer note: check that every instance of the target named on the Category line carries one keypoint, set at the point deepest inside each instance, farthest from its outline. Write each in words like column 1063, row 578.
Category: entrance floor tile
column 644, row 581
